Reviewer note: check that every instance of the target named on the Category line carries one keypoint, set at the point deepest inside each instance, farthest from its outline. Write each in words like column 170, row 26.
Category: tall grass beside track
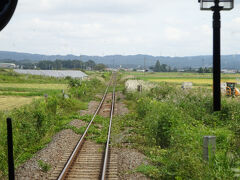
column 35, row 124
column 168, row 124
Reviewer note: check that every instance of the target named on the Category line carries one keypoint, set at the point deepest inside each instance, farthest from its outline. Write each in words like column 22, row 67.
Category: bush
column 174, row 122
column 33, row 126
column 84, row 90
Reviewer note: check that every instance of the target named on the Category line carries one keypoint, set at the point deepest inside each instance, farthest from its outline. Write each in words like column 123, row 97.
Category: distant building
column 187, row 85
column 7, row 65
column 226, row 71
column 141, row 70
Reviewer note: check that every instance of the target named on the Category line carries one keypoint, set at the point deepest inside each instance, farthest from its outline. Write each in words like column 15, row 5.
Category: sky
column 126, row 27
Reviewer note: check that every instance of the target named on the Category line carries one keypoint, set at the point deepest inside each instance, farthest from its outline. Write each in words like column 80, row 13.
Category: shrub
column 176, row 121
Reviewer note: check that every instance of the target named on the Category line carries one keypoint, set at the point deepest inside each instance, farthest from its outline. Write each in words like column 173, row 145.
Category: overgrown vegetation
column 97, row 132
column 168, row 124
column 35, row 124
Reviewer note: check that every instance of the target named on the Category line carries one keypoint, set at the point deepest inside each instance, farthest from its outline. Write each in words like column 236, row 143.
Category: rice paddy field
column 198, row 80
column 33, row 86
column 11, row 102
column 17, row 90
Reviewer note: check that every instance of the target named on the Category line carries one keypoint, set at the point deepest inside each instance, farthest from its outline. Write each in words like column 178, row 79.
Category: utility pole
column 144, row 65
column 216, row 56
column 218, row 5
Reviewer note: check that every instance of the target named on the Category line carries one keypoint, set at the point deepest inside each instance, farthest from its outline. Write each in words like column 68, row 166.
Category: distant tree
column 58, row 64
column 208, row 70
column 66, row 64
column 90, row 64
column 204, row 70
column 157, row 67
column 200, row 70
column 164, row 68
column 161, row 68
column 45, row 65
column 100, row 67
column 174, row 70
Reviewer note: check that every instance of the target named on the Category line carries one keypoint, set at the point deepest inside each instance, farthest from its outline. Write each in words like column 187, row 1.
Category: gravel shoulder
column 128, row 161
column 51, row 155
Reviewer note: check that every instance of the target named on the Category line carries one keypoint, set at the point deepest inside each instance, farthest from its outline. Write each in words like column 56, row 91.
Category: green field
column 197, row 79
column 17, row 89
column 35, row 118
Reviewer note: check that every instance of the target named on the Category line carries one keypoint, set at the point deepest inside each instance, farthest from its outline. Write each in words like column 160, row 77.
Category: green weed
column 45, row 167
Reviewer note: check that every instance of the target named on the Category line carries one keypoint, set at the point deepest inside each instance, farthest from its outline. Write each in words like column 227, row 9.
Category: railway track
column 89, row 160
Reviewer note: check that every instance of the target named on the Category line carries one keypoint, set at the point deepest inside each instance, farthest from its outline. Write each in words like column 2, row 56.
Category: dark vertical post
column 10, row 150
column 216, row 57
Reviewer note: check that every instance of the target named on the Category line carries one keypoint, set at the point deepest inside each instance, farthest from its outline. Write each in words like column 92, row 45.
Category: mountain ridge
column 139, row 60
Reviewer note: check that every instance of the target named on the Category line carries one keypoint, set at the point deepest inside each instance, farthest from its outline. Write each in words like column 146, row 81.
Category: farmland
column 11, row 102
column 197, row 79
column 33, row 86
column 35, row 118
column 17, row 90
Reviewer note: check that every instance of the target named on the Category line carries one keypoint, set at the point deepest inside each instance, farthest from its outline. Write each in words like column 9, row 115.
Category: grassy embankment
column 35, row 124
column 168, row 124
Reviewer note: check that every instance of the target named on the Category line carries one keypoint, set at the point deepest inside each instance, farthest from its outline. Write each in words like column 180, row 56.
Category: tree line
column 165, row 68
column 70, row 64
column 57, row 64
column 162, row 68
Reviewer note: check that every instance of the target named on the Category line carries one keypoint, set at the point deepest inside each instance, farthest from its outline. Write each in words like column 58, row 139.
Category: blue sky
column 107, row 27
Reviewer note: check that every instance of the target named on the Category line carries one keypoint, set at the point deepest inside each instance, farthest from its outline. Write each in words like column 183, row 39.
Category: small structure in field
column 223, row 87
column 187, row 85
column 138, row 85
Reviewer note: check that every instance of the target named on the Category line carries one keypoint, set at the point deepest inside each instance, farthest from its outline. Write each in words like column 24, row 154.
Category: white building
column 7, row 65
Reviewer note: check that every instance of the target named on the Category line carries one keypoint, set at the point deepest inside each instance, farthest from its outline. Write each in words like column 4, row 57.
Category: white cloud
column 206, row 29
column 175, row 34
column 95, row 27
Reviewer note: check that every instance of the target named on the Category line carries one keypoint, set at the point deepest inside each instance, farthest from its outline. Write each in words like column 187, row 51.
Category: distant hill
column 228, row 61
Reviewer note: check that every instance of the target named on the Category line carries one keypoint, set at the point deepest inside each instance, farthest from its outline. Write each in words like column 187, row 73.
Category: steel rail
column 80, row 142
column 105, row 162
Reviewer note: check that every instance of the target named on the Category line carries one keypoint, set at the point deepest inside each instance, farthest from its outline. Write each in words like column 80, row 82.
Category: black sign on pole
column 11, row 175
